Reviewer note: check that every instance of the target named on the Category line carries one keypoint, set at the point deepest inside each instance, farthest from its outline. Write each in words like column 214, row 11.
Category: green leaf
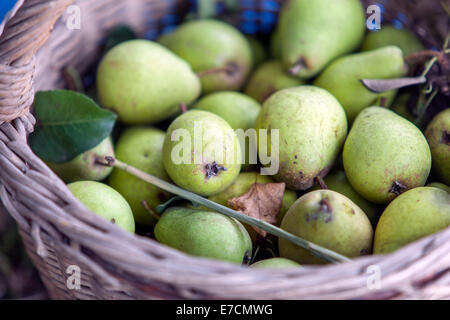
column 119, row 35
column 68, row 124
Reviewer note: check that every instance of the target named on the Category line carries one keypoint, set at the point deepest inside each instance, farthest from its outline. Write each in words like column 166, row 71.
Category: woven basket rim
column 401, row 265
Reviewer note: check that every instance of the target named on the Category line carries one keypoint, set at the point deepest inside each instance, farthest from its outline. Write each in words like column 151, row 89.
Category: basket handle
column 25, row 29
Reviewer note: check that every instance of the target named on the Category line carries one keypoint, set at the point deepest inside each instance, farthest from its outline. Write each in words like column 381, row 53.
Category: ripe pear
column 385, row 155
column 140, row 147
column 438, row 136
column 337, row 181
column 205, row 234
column 241, row 185
column 313, row 33
column 391, row 36
column 259, row 54
column 275, row 263
column 412, row 215
column 328, row 219
column 85, row 166
column 312, row 128
column 342, row 78
column 211, row 44
column 269, row 78
column 240, row 111
column 439, row 186
column 144, row 82
column 208, row 157
column 104, row 201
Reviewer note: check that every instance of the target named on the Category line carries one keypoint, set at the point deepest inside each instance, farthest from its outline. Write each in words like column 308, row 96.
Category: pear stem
column 183, row 107
column 150, row 210
column 315, row 249
column 228, row 69
column 321, row 182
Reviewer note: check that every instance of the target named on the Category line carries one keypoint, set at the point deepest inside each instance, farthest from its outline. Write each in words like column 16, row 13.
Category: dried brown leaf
column 262, row 201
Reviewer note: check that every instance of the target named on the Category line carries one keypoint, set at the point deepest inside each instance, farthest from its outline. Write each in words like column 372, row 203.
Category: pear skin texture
column 438, row 137
column 412, row 215
column 208, row 149
column 313, row 33
column 140, row 147
column 328, row 219
column 205, row 234
column 239, row 110
column 385, row 155
column 105, row 202
column 269, row 78
column 390, row 36
column 208, row 44
column 143, row 82
column 342, row 78
column 337, row 181
column 241, row 185
column 312, row 128
column 275, row 263
column 85, row 166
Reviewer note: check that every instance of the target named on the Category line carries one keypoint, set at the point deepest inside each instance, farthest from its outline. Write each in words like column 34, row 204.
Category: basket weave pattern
column 58, row 231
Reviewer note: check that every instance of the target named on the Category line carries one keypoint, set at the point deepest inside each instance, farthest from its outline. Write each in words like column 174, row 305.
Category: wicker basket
column 58, row 231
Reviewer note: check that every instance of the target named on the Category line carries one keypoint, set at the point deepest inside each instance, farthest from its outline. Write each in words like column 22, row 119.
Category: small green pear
column 391, row 36
column 205, row 234
column 104, row 201
column 337, row 181
column 140, row 147
column 85, row 166
column 258, row 51
column 313, row 33
column 414, row 214
column 269, row 78
column 208, row 157
column 439, row 186
column 241, row 185
column 275, row 263
column 240, row 111
column 311, row 127
column 385, row 155
column 328, row 219
column 438, row 137
column 144, row 82
column 210, row 45
column 342, row 78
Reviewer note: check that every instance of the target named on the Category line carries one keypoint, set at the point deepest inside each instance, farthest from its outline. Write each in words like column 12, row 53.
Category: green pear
column 209, row 46
column 241, row 185
column 275, row 263
column 140, row 147
column 269, row 78
column 438, row 136
column 240, row 111
column 342, row 78
column 85, row 166
column 337, row 181
column 412, row 215
column 385, row 155
column 144, row 82
column 312, row 129
column 259, row 54
column 439, row 186
column 205, row 234
column 400, row 106
column 313, row 33
column 391, row 36
column 275, row 44
column 328, row 219
column 208, row 157
column 104, row 201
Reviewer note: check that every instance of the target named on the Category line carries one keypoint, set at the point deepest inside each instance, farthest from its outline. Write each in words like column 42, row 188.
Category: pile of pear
column 354, row 170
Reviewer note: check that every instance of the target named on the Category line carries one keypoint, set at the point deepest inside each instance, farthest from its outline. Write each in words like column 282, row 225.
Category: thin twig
column 315, row 249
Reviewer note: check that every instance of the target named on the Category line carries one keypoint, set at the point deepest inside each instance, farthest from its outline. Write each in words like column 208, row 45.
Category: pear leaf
column 262, row 201
column 117, row 36
column 382, row 85
column 68, row 124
